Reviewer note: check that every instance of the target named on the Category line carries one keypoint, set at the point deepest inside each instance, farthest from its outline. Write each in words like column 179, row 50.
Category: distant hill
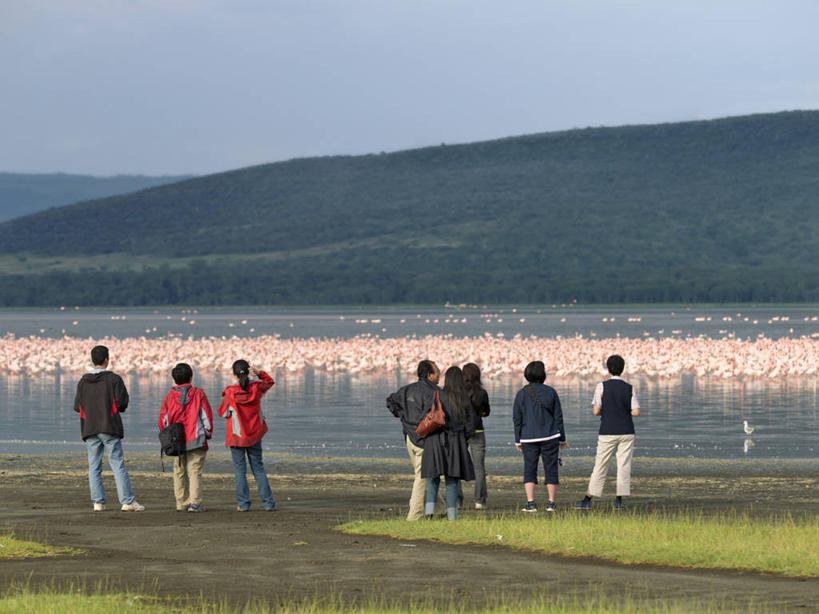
column 22, row 193
column 722, row 210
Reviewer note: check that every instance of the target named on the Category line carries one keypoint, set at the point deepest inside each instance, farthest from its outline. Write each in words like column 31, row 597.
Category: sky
column 199, row 86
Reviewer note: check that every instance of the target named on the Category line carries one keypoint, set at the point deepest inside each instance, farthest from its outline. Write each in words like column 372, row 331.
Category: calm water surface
column 319, row 414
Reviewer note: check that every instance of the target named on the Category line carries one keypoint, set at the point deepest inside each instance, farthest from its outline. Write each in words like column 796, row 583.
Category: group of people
column 455, row 450
column 102, row 397
column 539, row 435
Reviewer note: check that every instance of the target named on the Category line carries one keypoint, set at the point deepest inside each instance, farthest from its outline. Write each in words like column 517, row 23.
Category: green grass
column 13, row 548
column 594, row 601
column 779, row 545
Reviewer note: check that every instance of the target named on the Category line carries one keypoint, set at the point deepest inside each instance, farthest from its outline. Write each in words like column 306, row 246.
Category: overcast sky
column 198, row 86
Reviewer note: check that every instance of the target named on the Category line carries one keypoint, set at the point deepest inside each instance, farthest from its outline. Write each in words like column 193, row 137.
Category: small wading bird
column 748, row 429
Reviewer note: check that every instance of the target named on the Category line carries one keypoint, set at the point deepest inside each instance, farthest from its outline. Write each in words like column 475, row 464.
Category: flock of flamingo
column 571, row 356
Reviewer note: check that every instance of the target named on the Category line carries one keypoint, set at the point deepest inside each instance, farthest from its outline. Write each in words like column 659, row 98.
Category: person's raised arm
column 265, row 382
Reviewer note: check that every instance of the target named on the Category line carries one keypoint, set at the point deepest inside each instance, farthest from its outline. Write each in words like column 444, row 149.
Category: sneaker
column 99, row 507
column 195, row 507
column 480, row 506
column 582, row 505
column 133, row 506
column 550, row 506
column 620, row 507
column 530, row 506
column 242, row 509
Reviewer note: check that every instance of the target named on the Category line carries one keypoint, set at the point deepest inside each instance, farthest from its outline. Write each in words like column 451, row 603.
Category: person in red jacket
column 246, row 426
column 188, row 405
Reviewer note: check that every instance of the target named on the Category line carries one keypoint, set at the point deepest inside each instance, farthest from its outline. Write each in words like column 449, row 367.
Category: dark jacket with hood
column 101, row 397
column 410, row 404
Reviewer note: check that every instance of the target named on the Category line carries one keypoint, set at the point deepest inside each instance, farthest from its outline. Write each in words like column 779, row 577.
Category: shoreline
column 296, row 552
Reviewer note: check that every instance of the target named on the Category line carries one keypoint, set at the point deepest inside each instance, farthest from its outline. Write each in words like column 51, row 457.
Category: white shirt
column 597, row 401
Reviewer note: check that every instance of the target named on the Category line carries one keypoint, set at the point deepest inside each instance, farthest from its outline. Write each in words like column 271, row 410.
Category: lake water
column 639, row 321
column 328, row 415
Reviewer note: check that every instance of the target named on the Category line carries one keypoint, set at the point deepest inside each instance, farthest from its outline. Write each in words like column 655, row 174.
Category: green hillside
column 24, row 193
column 723, row 210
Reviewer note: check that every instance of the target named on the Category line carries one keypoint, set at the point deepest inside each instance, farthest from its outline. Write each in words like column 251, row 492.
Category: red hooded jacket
column 246, row 425
column 197, row 418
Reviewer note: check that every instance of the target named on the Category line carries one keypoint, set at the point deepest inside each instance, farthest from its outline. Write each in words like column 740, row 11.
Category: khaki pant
column 187, row 474
column 606, row 446
column 419, row 485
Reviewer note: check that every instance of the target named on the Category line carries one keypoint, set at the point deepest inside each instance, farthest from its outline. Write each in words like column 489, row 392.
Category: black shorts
column 548, row 451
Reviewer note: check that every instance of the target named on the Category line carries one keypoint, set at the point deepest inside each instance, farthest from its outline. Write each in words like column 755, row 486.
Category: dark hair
column 182, row 374
column 99, row 354
column 456, row 397
column 472, row 379
column 425, row 368
column 535, row 372
column 615, row 364
column 241, row 369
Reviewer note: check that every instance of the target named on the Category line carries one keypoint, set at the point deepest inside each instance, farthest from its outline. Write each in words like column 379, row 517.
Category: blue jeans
column 451, row 496
column 113, row 449
column 254, row 455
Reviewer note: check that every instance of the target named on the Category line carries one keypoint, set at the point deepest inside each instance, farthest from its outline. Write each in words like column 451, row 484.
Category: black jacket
column 445, row 451
column 100, row 399
column 410, row 404
column 480, row 403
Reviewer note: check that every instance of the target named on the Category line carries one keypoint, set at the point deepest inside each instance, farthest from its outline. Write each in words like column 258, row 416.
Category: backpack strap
column 528, row 389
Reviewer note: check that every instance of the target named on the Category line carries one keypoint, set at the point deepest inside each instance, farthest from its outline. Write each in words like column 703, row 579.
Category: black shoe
column 530, row 506
column 619, row 506
column 582, row 505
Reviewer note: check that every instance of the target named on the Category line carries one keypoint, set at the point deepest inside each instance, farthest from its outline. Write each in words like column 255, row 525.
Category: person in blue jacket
column 539, row 433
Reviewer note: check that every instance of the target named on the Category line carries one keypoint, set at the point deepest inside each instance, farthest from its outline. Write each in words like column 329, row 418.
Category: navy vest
column 615, row 417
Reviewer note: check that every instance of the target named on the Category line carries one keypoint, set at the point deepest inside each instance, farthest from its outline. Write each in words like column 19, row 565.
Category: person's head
column 182, row 374
column 241, row 369
column 535, row 372
column 99, row 356
column 615, row 364
column 455, row 393
column 429, row 370
column 472, row 376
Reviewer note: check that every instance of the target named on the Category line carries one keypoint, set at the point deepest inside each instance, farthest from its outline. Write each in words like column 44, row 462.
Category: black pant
column 546, row 450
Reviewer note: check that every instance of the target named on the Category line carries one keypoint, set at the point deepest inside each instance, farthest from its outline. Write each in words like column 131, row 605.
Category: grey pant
column 477, row 446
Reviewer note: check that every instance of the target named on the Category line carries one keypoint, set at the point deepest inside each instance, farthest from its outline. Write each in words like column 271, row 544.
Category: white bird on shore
column 748, row 428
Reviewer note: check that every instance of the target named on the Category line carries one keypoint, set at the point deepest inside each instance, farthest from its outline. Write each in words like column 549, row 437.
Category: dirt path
column 295, row 552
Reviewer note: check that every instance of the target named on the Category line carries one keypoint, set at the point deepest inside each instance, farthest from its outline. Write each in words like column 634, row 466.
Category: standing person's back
column 189, row 406
column 241, row 407
column 100, row 399
column 615, row 401
column 410, row 404
column 479, row 400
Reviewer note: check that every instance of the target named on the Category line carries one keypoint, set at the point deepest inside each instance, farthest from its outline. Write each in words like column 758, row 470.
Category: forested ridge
column 721, row 210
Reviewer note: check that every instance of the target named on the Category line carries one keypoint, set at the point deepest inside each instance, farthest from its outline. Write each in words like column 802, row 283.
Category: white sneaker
column 133, row 506
column 480, row 506
column 99, row 507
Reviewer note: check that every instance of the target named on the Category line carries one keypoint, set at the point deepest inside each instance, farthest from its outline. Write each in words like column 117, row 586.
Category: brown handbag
column 434, row 419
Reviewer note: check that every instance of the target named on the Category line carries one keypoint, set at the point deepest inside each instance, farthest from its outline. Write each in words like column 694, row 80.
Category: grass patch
column 13, row 548
column 102, row 601
column 689, row 539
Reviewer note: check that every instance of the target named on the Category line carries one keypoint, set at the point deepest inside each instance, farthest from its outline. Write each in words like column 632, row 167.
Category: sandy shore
column 295, row 551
